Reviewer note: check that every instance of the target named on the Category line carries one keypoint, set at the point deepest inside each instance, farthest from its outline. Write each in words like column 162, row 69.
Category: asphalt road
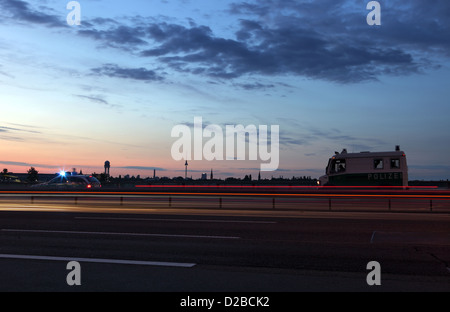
column 219, row 250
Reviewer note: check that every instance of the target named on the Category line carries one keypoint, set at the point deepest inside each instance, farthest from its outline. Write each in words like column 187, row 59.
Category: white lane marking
column 176, row 220
column 113, row 261
column 123, row 234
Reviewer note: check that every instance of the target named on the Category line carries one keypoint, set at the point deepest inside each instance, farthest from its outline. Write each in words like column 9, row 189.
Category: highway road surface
column 149, row 248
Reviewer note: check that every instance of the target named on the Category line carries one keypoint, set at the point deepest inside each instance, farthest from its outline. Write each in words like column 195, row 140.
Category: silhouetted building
column 107, row 166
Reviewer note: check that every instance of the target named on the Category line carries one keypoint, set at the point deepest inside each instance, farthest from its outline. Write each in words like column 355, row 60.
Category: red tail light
column 89, row 186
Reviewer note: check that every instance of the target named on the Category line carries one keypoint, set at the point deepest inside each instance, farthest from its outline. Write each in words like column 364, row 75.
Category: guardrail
column 397, row 202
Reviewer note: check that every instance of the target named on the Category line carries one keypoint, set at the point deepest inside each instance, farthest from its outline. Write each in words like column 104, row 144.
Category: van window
column 77, row 180
column 93, row 179
column 59, row 179
column 395, row 163
column 338, row 165
column 378, row 164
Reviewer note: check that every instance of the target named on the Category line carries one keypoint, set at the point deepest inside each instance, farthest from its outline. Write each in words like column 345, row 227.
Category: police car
column 67, row 181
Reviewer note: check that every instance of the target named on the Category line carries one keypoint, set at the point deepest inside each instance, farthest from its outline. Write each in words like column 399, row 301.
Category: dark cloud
column 260, row 9
column 11, row 129
column 118, row 36
column 112, row 70
column 410, row 25
column 23, row 12
column 327, row 40
column 254, row 86
column 281, row 49
column 104, row 21
column 96, row 99
column 306, row 136
column 16, row 163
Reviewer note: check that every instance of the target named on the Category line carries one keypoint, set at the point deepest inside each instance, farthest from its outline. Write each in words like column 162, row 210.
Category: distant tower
column 107, row 166
column 211, row 177
column 154, row 174
column 185, row 171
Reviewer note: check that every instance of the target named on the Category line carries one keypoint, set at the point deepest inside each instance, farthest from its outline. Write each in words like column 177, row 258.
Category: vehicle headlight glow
column 62, row 173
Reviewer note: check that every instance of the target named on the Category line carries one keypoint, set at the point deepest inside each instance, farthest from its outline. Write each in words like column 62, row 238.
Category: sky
column 114, row 87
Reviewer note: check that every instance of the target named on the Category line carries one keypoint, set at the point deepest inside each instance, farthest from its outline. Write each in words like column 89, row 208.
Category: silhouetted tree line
column 246, row 180
column 8, row 177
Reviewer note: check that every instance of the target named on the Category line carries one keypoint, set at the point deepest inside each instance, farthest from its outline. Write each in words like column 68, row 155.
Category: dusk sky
column 113, row 87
